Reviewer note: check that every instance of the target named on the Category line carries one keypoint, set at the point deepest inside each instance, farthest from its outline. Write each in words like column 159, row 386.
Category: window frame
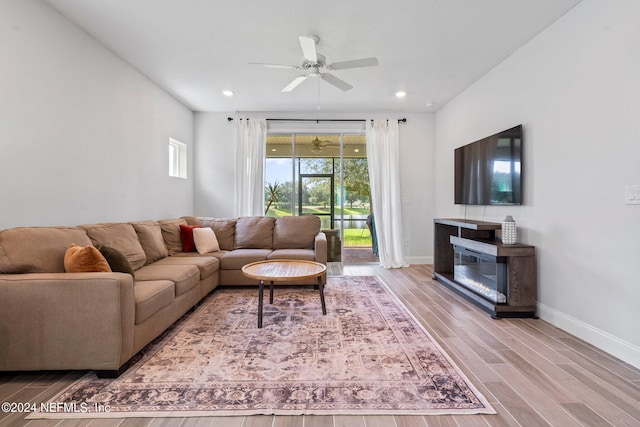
column 177, row 159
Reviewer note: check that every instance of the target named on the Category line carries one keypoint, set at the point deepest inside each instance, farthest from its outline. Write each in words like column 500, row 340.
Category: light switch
column 632, row 193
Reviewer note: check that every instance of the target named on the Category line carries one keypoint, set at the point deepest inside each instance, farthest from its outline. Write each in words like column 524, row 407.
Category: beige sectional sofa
column 54, row 320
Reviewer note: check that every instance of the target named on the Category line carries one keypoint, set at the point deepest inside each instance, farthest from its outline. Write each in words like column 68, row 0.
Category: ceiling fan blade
column 319, row 143
column 340, row 84
column 289, row 67
column 354, row 63
column 308, row 45
column 294, row 83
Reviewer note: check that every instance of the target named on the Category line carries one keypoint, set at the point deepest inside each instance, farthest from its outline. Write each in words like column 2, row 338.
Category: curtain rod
column 318, row 120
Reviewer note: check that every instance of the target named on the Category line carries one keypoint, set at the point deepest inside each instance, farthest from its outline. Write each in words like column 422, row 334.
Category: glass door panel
column 325, row 175
column 315, row 197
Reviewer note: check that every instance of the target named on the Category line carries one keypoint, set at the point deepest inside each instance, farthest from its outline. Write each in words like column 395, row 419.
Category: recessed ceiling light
column 274, row 149
column 227, row 92
column 357, row 150
column 401, row 94
column 430, row 104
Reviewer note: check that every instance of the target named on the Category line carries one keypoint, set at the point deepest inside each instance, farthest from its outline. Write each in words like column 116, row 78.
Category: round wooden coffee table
column 284, row 270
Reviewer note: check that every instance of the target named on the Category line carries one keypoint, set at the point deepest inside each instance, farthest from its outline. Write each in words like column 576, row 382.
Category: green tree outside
column 356, row 193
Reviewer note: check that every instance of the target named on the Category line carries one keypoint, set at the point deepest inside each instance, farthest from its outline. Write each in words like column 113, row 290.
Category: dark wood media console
column 480, row 237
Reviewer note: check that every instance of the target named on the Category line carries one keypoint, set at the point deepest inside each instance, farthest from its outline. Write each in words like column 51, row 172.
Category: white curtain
column 384, row 175
column 250, row 140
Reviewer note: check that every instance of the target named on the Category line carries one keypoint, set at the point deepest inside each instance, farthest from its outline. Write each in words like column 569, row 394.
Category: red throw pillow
column 186, row 234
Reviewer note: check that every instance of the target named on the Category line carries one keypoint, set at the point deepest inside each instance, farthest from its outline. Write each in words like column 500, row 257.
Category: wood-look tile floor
column 533, row 373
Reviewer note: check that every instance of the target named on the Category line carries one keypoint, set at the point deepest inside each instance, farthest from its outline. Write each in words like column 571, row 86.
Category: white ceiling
column 432, row 49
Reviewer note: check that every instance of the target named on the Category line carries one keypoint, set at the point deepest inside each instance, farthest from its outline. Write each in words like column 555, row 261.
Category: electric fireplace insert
column 484, row 274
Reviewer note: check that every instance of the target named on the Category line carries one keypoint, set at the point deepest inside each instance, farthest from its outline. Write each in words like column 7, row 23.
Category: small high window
column 177, row 159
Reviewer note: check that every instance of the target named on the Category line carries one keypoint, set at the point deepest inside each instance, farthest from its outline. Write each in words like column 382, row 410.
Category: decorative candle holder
column 509, row 231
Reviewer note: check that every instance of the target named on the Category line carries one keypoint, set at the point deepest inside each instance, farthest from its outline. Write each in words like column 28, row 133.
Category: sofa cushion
column 295, row 232
column 186, row 235
column 184, row 277
column 205, row 240
column 151, row 297
column 117, row 262
column 150, row 237
column 224, row 228
column 38, row 249
column 237, row 259
column 171, row 234
column 254, row 232
column 207, row 265
column 85, row 259
column 121, row 236
column 305, row 254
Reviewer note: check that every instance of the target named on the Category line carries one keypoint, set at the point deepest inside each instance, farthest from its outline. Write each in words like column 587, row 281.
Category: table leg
column 271, row 293
column 324, row 307
column 260, row 294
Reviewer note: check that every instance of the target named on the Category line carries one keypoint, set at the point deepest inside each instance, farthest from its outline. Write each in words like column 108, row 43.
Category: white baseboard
column 419, row 259
column 613, row 345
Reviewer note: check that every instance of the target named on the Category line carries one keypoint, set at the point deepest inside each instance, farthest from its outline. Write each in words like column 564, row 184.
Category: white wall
column 417, row 147
column 575, row 89
column 214, row 165
column 83, row 136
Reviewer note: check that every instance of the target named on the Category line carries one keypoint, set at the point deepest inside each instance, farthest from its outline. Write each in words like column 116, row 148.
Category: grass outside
column 347, row 211
column 354, row 237
column 310, row 210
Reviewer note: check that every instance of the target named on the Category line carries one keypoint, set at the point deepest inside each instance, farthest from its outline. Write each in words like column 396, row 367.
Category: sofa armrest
column 51, row 321
column 320, row 247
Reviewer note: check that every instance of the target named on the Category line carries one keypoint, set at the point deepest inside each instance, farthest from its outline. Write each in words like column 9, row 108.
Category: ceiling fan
column 318, row 145
column 314, row 62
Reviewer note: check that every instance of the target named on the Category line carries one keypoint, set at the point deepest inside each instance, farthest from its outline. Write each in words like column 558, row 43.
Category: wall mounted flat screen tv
column 488, row 171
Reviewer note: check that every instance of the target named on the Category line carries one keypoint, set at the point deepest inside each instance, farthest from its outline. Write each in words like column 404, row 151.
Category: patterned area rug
column 368, row 355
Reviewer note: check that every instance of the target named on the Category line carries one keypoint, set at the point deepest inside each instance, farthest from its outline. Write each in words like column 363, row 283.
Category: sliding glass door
column 323, row 174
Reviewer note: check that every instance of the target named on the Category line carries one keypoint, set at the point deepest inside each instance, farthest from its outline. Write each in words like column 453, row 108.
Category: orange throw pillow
column 83, row 259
